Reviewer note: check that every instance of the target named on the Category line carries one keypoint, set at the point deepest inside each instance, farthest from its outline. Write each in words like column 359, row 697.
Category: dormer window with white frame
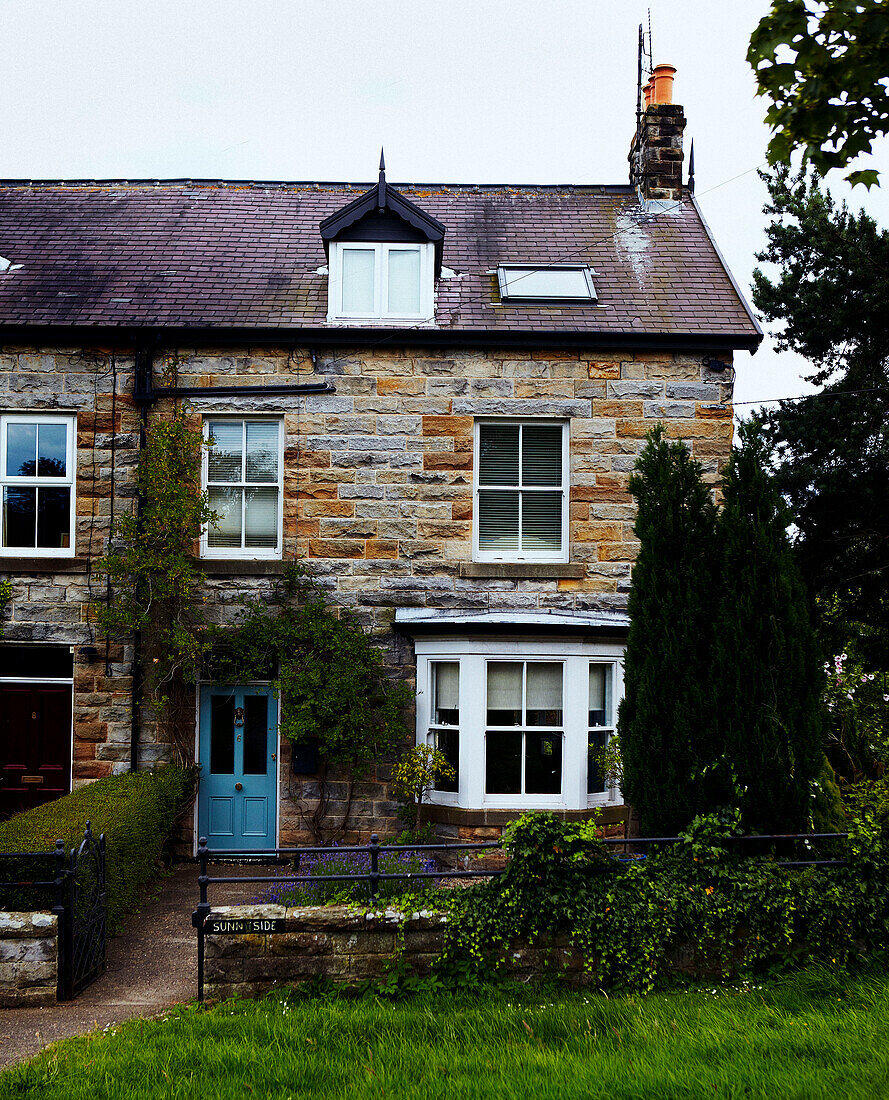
column 381, row 281
column 384, row 253
column 549, row 283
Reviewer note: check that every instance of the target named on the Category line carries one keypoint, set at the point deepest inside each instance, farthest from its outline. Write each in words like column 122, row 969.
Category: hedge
column 135, row 811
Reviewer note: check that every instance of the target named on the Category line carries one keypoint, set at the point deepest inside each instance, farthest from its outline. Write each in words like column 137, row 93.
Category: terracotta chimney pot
column 662, row 84
column 646, row 92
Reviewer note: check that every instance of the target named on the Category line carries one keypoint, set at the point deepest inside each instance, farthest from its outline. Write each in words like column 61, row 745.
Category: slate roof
column 231, row 255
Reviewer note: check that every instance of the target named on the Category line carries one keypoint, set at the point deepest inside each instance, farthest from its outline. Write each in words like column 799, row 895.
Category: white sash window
column 243, row 479
column 521, row 491
column 37, row 475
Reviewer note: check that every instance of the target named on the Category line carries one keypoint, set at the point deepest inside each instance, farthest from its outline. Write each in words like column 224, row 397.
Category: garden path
column 152, row 964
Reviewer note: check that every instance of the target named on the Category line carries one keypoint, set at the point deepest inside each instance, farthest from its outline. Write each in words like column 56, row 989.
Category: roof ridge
column 187, row 181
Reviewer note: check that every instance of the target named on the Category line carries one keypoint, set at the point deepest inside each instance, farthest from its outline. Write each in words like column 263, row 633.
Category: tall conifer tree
column 666, row 718
column 767, row 668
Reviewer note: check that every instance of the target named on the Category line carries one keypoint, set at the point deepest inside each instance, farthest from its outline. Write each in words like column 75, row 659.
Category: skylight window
column 556, row 283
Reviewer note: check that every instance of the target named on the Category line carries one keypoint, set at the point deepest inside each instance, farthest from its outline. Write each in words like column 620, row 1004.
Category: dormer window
column 376, row 280
column 384, row 254
column 553, row 283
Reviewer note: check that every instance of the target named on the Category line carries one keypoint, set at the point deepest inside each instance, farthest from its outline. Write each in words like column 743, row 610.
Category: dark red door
column 35, row 745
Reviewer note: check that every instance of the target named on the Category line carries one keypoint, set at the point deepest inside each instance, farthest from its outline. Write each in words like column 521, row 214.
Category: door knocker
column 239, row 716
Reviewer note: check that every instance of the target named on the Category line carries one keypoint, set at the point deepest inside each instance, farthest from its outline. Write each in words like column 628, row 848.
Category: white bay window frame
column 244, row 553
column 380, row 311
column 473, row 655
column 520, row 555
column 36, row 482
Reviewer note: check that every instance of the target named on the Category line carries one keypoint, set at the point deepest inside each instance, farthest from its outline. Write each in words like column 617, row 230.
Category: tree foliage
column 825, row 66
column 723, row 680
column 666, row 718
column 767, row 671
column 829, row 289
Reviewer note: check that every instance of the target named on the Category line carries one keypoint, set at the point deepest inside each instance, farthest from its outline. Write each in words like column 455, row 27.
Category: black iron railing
column 71, row 884
column 762, row 844
column 373, row 876
column 631, row 848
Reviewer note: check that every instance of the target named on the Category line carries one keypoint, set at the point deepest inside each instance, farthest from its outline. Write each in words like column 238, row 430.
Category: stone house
column 432, row 394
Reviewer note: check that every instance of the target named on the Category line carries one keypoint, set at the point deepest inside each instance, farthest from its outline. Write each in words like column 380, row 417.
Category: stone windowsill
column 523, row 570
column 43, row 565
column 220, row 567
column 458, row 815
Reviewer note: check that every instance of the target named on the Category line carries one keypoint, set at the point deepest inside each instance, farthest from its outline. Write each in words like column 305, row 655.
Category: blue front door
column 238, row 750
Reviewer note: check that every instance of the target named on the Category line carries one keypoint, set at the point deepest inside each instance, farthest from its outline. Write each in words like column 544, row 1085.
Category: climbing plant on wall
column 155, row 579
column 336, row 694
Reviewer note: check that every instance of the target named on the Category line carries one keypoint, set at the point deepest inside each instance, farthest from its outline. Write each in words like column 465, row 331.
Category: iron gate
column 83, row 922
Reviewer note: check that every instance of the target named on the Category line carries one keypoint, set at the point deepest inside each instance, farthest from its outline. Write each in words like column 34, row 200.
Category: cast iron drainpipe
column 145, row 394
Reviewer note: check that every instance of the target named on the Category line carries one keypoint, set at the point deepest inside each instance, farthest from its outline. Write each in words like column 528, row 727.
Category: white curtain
column 504, row 685
column 226, row 531
column 544, row 686
column 358, row 280
column 262, row 451
column 224, row 458
column 447, row 685
column 404, row 280
column 261, row 518
column 599, row 689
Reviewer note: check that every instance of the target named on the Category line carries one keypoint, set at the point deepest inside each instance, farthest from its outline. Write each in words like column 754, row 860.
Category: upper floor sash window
column 243, row 479
column 375, row 281
column 521, row 484
column 37, row 474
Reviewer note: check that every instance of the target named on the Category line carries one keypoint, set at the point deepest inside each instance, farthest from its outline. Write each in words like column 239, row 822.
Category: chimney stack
column 656, row 150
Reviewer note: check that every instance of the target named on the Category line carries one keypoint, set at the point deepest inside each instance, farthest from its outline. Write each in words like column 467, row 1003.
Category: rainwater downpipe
column 143, row 395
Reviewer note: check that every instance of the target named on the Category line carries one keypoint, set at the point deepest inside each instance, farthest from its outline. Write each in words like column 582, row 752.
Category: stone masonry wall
column 29, row 959
column 348, row 947
column 53, row 599
column 378, row 475
column 377, row 497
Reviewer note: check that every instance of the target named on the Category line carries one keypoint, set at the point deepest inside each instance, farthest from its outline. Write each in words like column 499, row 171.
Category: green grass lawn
column 818, row 1034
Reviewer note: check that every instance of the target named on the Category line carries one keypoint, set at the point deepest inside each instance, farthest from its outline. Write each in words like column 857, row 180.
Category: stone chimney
column 656, row 150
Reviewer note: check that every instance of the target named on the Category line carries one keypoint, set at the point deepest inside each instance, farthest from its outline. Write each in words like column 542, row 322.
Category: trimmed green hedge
column 135, row 811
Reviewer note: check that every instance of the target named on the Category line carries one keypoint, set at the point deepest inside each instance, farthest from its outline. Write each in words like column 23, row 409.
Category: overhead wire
column 566, row 257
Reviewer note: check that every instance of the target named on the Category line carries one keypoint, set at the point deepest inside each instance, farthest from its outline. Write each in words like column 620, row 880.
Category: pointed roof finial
column 381, row 187
column 691, row 166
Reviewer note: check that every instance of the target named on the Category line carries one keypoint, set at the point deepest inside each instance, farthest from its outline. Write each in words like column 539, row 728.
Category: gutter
column 173, row 337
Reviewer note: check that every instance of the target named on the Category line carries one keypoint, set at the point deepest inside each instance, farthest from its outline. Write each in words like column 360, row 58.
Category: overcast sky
column 489, row 91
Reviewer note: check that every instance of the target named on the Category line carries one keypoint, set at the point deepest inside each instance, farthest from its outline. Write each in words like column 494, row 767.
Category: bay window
column 602, row 720
column 519, row 721
column 37, row 471
column 243, row 480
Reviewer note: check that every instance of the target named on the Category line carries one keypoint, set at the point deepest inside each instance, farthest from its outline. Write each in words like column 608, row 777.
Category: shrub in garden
column 135, row 811
column 767, row 673
column 666, row 718
column 723, row 680
column 702, row 899
column 415, row 776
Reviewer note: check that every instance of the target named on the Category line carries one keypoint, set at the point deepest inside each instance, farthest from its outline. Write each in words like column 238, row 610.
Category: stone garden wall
column 346, row 946
column 29, row 959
